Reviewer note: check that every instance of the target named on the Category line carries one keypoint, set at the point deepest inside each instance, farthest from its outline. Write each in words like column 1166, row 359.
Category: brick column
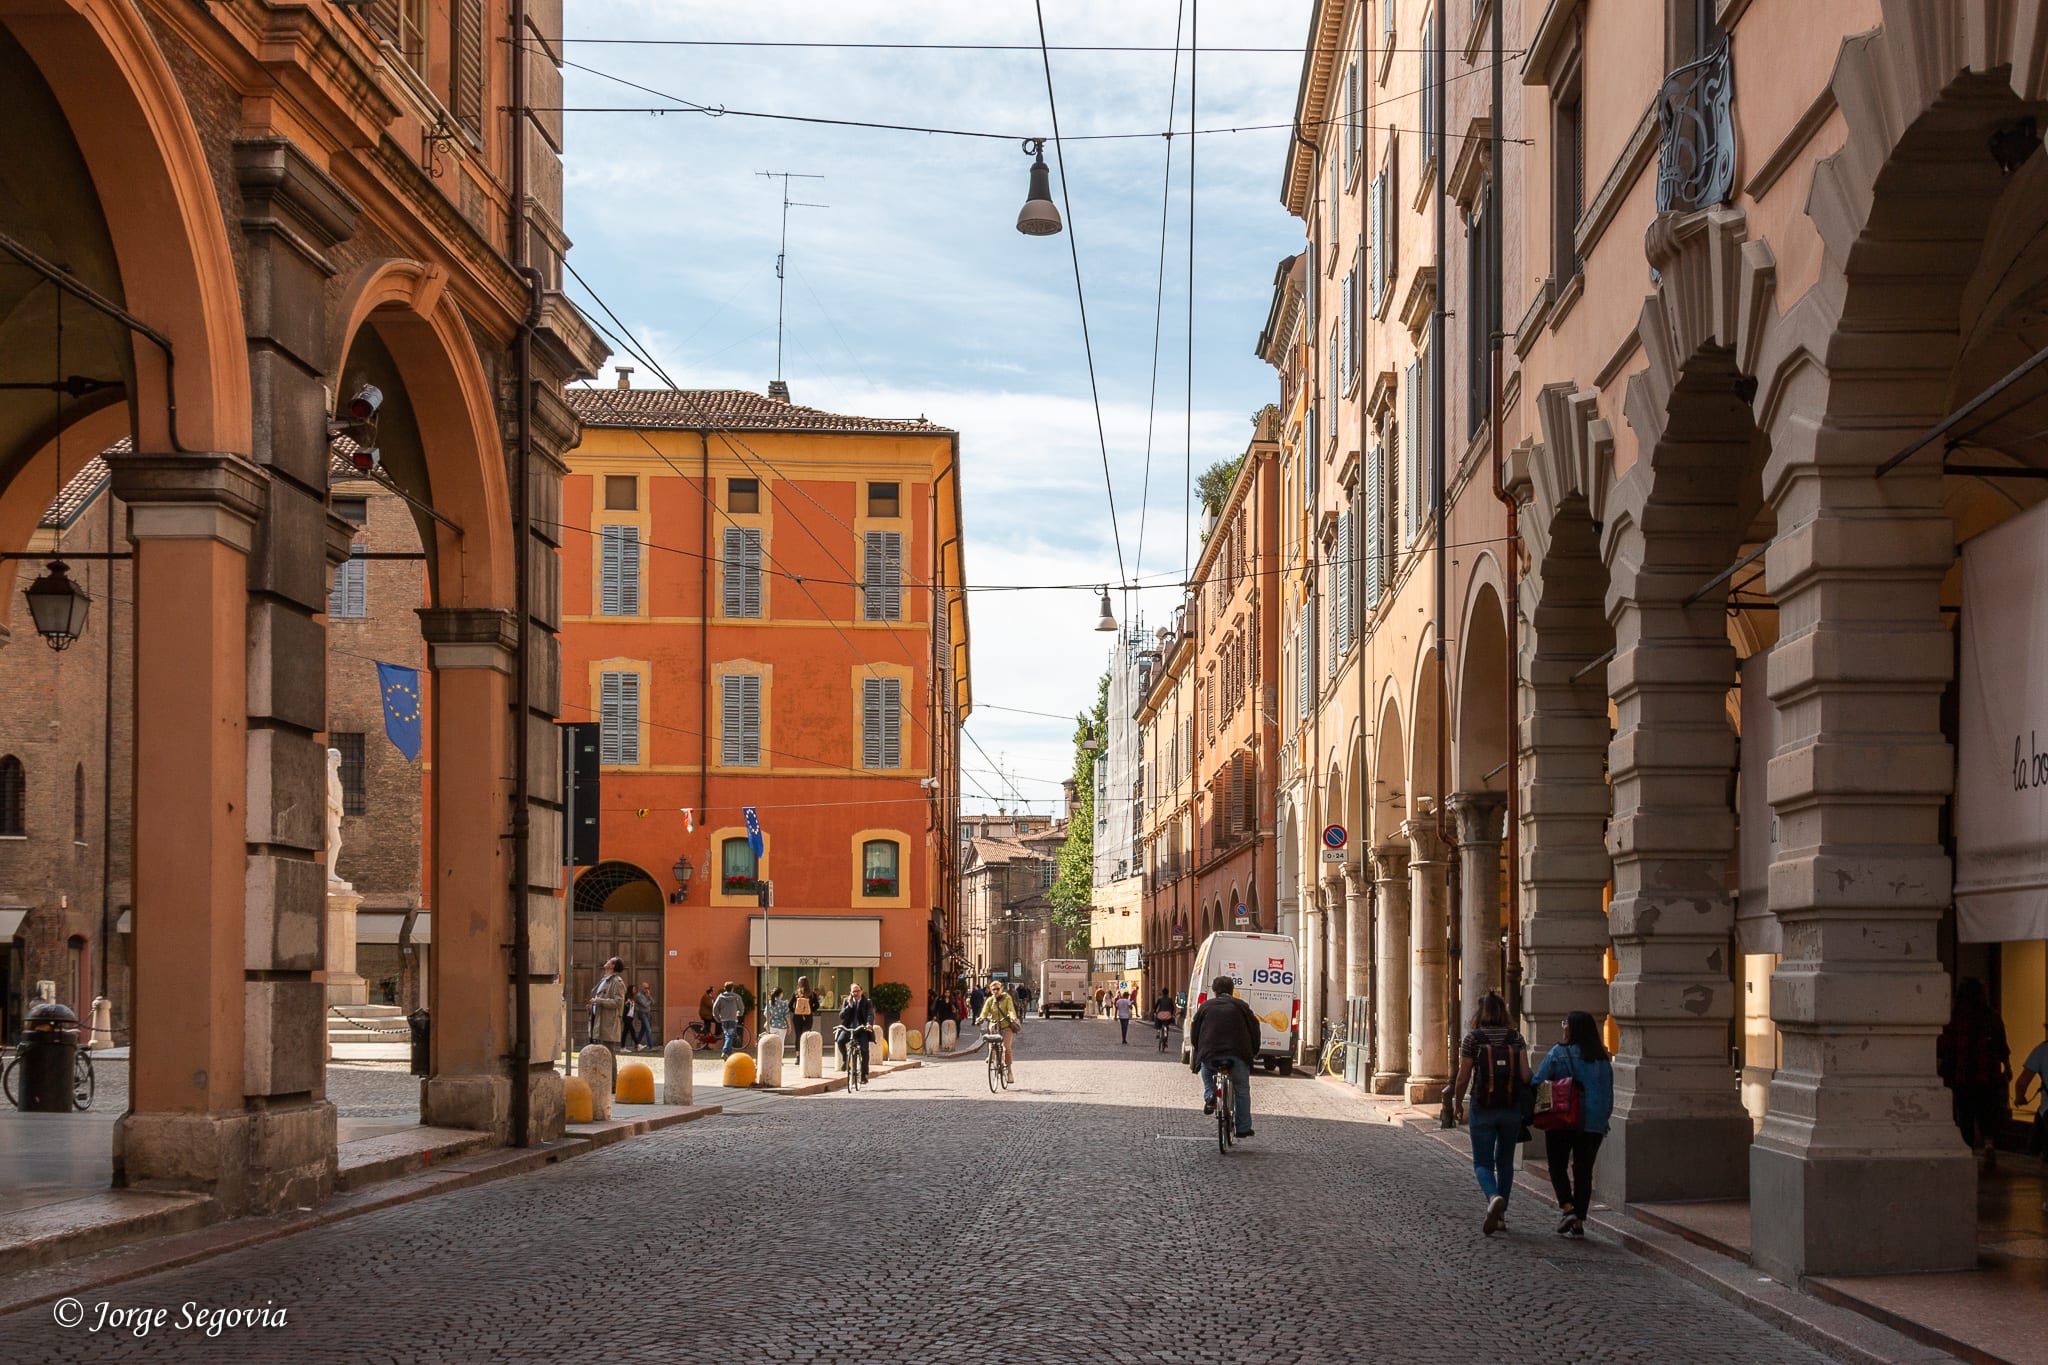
column 1429, row 918
column 1391, row 966
column 1857, row 1143
column 1481, row 826
column 1679, row 1129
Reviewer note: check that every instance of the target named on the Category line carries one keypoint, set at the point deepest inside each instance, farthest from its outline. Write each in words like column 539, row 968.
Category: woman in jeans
column 1583, row 1058
column 1493, row 1062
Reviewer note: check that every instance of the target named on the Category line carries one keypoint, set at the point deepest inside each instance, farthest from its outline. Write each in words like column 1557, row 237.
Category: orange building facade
column 762, row 608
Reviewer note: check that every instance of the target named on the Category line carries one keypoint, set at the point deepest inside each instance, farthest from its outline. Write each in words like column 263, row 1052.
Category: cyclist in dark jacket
column 857, row 1015
column 1225, row 1033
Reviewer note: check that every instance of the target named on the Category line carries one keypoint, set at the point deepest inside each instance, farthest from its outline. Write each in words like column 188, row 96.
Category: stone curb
column 134, row 1260
column 1840, row 1333
column 827, row 1084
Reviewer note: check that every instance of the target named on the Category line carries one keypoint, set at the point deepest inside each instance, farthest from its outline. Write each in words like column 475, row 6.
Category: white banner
column 1756, row 928
column 2002, row 745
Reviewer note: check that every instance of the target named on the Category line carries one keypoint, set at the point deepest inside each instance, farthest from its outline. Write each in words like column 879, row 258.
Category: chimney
column 625, row 373
column 778, row 390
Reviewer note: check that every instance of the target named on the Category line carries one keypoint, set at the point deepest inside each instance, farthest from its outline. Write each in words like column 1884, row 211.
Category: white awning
column 1756, row 928
column 2002, row 745
column 815, row 940
column 125, row 924
column 10, row 920
column 382, row 926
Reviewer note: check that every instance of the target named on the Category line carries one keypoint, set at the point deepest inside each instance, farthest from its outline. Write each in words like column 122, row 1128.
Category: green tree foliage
column 1213, row 487
column 1073, row 889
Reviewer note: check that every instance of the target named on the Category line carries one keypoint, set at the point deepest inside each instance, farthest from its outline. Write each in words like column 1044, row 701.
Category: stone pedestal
column 1390, row 965
column 810, row 1052
column 768, row 1055
column 344, row 987
column 899, row 1042
column 678, row 1073
column 949, row 1036
column 1429, row 1050
column 594, row 1064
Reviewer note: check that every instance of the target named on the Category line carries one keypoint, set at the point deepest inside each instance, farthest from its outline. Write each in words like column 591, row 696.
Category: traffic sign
column 1334, row 836
column 1333, row 855
column 1244, row 916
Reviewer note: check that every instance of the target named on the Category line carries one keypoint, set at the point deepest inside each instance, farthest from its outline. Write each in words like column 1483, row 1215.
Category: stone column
column 1480, row 822
column 1336, row 970
column 225, row 942
column 1311, row 970
column 1357, row 938
column 1429, row 921
column 1679, row 1129
column 1390, row 965
column 1857, row 1141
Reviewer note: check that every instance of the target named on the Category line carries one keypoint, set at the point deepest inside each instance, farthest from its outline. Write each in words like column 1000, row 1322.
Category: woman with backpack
column 1581, row 1098
column 1493, row 1065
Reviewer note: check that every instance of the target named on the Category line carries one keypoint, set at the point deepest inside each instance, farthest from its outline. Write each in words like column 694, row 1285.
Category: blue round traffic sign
column 1333, row 836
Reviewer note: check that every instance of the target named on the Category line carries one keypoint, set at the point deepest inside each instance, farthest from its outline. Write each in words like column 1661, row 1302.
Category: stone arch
column 1863, row 365
column 1479, row 728
column 457, row 461
column 162, row 212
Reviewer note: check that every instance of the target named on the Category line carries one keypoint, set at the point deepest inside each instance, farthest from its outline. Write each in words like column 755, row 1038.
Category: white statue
column 333, row 814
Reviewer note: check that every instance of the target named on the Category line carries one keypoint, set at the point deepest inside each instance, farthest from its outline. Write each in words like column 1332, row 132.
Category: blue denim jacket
column 1596, row 1078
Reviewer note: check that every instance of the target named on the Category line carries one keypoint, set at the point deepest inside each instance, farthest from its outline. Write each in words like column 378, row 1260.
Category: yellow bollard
column 636, row 1084
column 575, row 1100
column 916, row 1040
column 739, row 1072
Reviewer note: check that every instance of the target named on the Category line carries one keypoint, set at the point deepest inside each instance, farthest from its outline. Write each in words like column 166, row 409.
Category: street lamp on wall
column 682, row 872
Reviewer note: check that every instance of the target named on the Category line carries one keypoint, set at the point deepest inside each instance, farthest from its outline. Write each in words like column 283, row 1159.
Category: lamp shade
column 1108, row 621
column 1039, row 217
column 58, row 606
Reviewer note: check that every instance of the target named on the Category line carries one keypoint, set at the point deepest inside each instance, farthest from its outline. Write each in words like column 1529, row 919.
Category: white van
column 1063, row 987
column 1268, row 977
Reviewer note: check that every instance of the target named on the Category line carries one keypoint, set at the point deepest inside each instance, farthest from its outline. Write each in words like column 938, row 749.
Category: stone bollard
column 811, row 1054
column 949, row 1036
column 678, row 1073
column 594, row 1064
column 899, row 1046
column 770, row 1049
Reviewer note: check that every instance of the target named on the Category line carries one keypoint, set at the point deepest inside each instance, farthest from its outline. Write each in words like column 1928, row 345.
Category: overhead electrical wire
column 1080, row 295
column 1187, row 501
column 1297, row 50
column 1158, row 296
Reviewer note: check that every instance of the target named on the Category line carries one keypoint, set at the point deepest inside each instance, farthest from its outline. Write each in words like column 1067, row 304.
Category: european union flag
column 400, row 687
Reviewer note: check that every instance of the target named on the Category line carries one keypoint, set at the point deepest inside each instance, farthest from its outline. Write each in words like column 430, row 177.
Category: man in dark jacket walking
column 1225, row 1034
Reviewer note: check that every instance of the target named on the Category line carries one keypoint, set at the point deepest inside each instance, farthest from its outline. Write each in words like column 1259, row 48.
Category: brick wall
column 53, row 712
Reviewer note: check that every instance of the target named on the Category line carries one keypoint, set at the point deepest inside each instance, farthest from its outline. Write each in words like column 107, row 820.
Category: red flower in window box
column 879, row 886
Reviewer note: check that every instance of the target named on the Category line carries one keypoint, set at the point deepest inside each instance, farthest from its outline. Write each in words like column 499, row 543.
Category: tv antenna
column 787, row 204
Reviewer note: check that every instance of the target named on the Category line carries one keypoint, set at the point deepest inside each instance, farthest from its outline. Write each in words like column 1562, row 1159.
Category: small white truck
column 1063, row 987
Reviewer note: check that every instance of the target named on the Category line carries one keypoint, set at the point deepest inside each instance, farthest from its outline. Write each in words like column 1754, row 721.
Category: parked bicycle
column 1334, row 1047
column 82, row 1082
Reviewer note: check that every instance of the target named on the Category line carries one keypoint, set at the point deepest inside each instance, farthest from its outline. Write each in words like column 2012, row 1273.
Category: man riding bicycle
column 857, row 1021
column 1163, row 1015
column 1224, row 1034
column 999, row 1015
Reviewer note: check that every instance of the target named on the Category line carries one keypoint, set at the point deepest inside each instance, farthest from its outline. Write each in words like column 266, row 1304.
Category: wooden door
column 601, row 936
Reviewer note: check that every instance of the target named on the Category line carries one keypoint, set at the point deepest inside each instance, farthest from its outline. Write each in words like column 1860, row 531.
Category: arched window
column 13, row 797
column 78, row 804
column 879, row 873
column 736, row 868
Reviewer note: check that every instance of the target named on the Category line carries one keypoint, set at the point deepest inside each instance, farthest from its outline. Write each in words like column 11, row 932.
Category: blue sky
column 913, row 293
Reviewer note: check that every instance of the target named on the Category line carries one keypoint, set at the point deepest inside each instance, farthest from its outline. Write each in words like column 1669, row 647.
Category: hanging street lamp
column 1108, row 621
column 1038, row 218
column 58, row 605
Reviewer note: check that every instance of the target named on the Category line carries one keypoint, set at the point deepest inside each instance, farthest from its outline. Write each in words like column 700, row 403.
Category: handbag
column 1560, row 1104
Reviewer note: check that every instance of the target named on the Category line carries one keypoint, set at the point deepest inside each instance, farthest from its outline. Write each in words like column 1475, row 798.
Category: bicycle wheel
column 81, row 1081
column 995, row 1068
column 7, row 1080
column 1333, row 1059
column 1226, row 1106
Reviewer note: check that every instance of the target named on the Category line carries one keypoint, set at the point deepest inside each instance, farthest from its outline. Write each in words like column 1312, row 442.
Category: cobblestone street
column 1085, row 1215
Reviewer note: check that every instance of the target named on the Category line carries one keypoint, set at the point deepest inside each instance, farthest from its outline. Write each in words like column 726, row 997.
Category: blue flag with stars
column 400, row 687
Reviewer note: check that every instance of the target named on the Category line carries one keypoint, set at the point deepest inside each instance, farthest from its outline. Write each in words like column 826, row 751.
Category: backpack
column 1495, row 1084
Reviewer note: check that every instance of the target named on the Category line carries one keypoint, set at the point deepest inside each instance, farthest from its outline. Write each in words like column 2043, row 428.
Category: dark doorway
column 618, row 913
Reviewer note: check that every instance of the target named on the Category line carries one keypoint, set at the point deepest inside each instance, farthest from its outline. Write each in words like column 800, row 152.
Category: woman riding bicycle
column 999, row 1014
column 1162, row 1015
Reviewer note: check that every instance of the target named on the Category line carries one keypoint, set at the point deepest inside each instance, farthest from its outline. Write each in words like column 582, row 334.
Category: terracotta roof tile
column 78, row 494
column 728, row 410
